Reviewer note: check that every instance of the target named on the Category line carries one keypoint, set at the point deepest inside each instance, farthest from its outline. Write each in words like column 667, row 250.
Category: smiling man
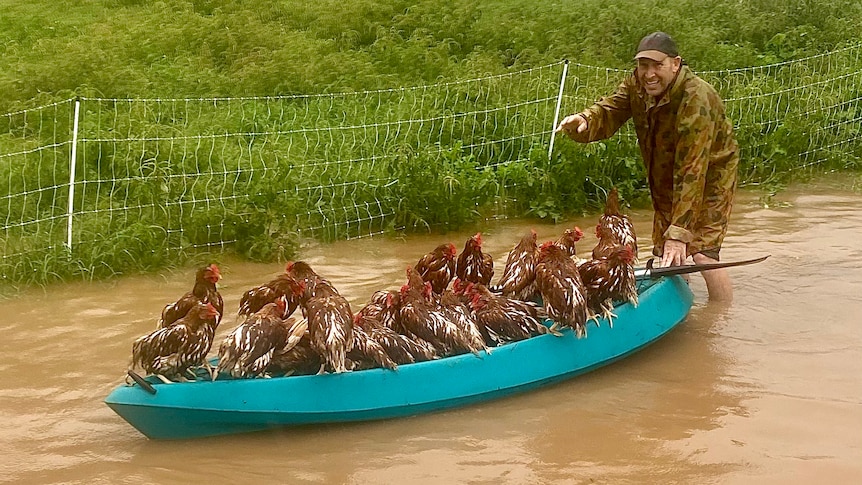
column 688, row 147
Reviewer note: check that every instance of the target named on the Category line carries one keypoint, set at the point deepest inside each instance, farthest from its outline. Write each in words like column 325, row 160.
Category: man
column 689, row 150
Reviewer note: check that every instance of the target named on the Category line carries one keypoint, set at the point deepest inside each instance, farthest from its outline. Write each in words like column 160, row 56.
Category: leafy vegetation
column 51, row 52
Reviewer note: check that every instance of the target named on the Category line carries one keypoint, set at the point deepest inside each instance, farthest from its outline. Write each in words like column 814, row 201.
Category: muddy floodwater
column 766, row 390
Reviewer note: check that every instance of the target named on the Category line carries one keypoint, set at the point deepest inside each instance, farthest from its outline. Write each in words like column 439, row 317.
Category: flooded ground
column 767, row 389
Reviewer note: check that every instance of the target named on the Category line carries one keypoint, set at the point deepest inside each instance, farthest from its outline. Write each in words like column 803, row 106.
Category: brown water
column 767, row 389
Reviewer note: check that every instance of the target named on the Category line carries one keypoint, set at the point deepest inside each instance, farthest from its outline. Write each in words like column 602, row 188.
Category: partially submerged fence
column 176, row 174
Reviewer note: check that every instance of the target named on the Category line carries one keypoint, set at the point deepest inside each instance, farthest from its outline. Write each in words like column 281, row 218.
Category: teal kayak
column 206, row 408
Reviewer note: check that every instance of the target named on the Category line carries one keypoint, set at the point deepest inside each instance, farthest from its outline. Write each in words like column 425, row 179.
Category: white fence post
column 557, row 109
column 72, row 163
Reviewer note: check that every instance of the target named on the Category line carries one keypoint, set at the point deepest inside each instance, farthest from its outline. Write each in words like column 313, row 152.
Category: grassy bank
column 299, row 166
column 53, row 50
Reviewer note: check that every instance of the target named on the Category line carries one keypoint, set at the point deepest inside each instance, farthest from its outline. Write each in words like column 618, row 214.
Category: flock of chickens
column 447, row 307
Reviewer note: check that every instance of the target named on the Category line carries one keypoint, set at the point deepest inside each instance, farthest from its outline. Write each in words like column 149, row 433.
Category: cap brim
column 654, row 55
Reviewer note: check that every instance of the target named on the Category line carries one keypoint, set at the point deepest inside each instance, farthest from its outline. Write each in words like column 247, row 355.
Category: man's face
column 656, row 76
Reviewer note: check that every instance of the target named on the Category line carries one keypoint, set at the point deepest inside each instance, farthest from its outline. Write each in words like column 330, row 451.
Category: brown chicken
column 501, row 319
column 380, row 319
column 255, row 298
column 171, row 351
column 461, row 315
column 390, row 313
column 438, row 267
column 203, row 291
column 473, row 265
column 568, row 239
column 459, row 288
column 421, row 318
column 249, row 348
column 302, row 272
column 609, row 279
column 561, row 289
column 298, row 359
column 400, row 348
column 330, row 323
column 374, row 307
column 384, row 309
column 614, row 229
column 519, row 276
column 368, row 353
column 294, row 271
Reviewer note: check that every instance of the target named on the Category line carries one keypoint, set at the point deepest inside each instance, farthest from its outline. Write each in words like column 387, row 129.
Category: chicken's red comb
column 627, row 253
column 211, row 310
column 452, row 250
column 214, row 273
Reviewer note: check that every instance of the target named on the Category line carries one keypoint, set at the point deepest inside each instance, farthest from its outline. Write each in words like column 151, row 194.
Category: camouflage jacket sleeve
column 696, row 130
column 606, row 116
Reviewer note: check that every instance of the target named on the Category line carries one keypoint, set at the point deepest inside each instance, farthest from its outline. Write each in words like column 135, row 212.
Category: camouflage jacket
column 689, row 150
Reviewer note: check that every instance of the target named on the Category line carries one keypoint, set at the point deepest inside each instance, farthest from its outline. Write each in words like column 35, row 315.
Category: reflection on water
column 768, row 388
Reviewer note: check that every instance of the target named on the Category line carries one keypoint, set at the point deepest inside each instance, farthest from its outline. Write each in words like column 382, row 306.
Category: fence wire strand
column 202, row 171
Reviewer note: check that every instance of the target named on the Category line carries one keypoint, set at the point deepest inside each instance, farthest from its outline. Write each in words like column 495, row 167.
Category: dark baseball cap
column 656, row 46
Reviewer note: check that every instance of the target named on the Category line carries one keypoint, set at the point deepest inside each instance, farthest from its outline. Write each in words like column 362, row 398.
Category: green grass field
column 139, row 208
column 54, row 50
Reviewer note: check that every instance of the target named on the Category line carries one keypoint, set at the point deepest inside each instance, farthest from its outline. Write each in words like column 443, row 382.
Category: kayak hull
column 204, row 408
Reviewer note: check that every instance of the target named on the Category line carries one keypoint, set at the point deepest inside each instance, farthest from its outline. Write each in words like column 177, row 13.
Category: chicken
column 249, row 348
column 384, row 309
column 367, row 353
column 421, row 318
column 374, row 308
column 614, row 229
column 379, row 318
column 608, row 279
column 171, row 351
column 294, row 271
column 519, row 276
column 390, row 313
column 400, row 348
column 438, row 267
column 255, row 298
column 561, row 288
column 459, row 314
column 501, row 319
column 459, row 288
column 330, row 323
column 473, row 265
column 301, row 271
column 203, row 291
column 568, row 239
column 298, row 359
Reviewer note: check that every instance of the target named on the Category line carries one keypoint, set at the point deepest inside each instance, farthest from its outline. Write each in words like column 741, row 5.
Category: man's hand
column 674, row 253
column 571, row 124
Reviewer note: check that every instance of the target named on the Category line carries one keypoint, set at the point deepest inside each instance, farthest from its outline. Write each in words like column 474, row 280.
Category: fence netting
column 209, row 172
